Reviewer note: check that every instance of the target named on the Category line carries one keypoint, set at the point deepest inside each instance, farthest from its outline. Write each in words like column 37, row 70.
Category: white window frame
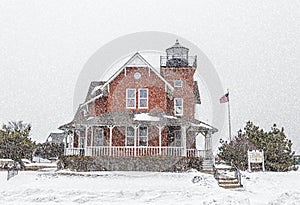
column 178, row 83
column 143, row 98
column 130, row 98
column 95, row 136
column 144, row 136
column 129, row 136
column 178, row 106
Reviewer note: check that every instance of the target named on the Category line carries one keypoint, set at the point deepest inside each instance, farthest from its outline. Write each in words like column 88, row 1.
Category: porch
column 143, row 134
column 121, row 151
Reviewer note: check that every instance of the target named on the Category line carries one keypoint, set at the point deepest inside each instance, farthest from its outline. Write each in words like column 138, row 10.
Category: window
column 129, row 136
column 177, row 83
column 143, row 98
column 177, row 138
column 143, row 136
column 130, row 98
column 178, row 106
column 98, row 137
column 80, row 135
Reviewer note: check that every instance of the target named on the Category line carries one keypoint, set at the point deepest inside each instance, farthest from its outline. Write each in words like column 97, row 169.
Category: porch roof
column 136, row 119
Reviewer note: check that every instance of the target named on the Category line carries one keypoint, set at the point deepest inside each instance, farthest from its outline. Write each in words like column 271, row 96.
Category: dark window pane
column 143, row 103
column 130, row 131
column 130, row 102
column 143, row 93
column 143, row 141
column 131, row 93
column 143, row 131
column 130, row 141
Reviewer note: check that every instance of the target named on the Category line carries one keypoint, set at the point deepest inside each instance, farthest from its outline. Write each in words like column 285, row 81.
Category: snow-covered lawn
column 63, row 187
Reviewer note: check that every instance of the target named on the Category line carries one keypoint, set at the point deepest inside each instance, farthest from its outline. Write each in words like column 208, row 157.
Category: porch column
column 85, row 140
column 208, row 145
column 135, row 139
column 159, row 139
column 183, row 140
column 110, row 138
column 73, row 139
column 65, row 142
column 92, row 136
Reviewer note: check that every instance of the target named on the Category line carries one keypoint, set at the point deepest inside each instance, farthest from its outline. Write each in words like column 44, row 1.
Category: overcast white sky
column 254, row 46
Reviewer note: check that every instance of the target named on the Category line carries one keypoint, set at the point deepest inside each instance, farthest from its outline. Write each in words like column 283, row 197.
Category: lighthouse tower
column 178, row 68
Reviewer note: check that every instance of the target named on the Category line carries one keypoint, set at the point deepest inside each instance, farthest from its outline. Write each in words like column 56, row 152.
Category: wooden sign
column 256, row 156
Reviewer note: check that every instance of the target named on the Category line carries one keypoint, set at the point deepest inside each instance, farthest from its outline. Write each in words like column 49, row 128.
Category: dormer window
column 177, row 83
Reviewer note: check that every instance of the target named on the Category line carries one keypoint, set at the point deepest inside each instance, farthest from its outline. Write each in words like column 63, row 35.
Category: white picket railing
column 118, row 151
column 196, row 153
column 74, row 151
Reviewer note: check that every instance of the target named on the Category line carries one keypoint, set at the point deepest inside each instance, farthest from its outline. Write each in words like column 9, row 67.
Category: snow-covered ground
column 145, row 188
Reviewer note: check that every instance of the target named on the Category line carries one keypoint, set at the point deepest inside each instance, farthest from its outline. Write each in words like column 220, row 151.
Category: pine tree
column 236, row 151
column 15, row 143
column 277, row 148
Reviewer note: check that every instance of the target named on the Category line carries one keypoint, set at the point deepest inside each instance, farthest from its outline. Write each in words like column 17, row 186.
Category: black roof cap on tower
column 177, row 45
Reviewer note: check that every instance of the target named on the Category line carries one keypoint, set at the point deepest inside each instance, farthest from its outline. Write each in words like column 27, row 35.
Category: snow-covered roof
column 132, row 119
column 145, row 117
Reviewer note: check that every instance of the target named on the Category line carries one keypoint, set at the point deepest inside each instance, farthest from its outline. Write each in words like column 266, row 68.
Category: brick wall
column 186, row 91
column 156, row 90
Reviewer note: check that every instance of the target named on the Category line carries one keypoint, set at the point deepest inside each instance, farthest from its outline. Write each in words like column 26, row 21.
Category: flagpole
column 229, row 121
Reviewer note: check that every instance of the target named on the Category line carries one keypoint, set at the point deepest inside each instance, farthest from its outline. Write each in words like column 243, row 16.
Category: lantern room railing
column 168, row 61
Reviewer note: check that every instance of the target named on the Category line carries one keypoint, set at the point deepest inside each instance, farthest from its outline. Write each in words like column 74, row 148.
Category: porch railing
column 74, row 151
column 119, row 151
column 197, row 153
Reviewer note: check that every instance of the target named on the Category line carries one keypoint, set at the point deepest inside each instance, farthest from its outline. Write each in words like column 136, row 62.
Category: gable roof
column 137, row 61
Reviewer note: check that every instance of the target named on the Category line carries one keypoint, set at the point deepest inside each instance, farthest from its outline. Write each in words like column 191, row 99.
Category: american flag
column 224, row 98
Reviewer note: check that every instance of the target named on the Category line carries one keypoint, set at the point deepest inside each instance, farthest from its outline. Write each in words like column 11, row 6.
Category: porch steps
column 207, row 165
column 227, row 178
column 229, row 182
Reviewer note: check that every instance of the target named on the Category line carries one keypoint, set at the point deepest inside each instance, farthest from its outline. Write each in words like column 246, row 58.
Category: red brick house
column 140, row 111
